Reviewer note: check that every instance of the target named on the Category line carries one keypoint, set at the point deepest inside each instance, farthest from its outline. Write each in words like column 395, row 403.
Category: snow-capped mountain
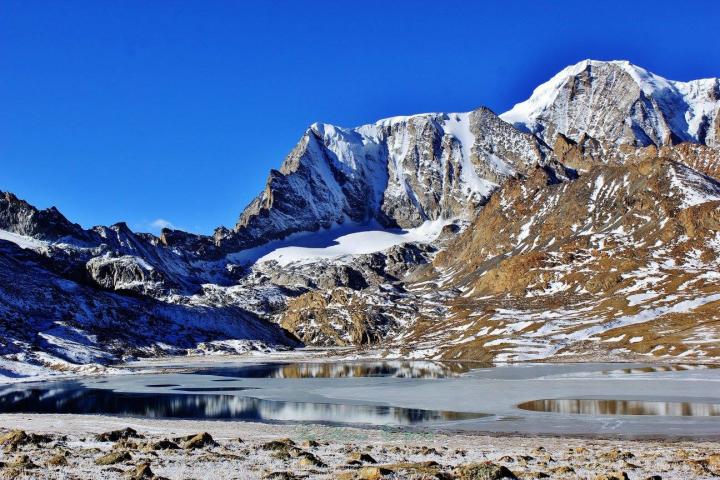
column 619, row 103
column 399, row 172
column 444, row 235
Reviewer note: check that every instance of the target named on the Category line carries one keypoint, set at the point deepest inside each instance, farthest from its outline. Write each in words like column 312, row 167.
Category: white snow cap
column 525, row 113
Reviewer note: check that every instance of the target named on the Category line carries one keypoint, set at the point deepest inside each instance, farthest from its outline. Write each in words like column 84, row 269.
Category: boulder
column 360, row 457
column 280, row 476
column 373, row 473
column 163, row 444
column 281, row 444
column 57, row 460
column 484, row 471
column 15, row 438
column 616, row 455
column 308, row 460
column 201, row 440
column 613, row 476
column 21, row 462
column 115, row 435
column 141, row 472
column 113, row 457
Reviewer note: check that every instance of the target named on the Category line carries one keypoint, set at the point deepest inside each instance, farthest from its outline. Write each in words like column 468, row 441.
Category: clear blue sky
column 176, row 110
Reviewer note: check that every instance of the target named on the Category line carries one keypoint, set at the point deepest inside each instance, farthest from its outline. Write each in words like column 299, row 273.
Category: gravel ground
column 68, row 447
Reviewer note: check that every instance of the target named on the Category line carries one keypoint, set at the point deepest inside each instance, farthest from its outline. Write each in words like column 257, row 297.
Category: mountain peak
column 399, row 172
column 617, row 102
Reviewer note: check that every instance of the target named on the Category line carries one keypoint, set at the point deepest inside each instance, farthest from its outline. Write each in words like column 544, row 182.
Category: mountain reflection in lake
column 623, row 407
column 71, row 397
column 395, row 369
column 661, row 368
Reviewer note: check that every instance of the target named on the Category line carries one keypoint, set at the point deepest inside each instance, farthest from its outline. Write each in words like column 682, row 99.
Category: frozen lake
column 593, row 399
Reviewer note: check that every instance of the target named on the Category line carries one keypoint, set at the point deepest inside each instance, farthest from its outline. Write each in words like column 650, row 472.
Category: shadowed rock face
column 47, row 319
column 127, row 273
column 20, row 217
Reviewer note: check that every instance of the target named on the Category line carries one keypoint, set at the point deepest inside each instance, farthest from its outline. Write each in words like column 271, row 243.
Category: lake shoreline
column 306, row 355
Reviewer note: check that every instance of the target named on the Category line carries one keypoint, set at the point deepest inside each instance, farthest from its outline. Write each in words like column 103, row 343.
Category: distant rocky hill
column 583, row 223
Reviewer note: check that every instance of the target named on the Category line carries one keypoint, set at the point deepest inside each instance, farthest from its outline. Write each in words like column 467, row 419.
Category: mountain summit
column 622, row 104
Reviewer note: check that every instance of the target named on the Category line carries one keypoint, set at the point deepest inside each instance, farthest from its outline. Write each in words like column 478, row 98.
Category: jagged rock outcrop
column 126, row 273
column 702, row 158
column 114, row 257
column 337, row 318
column 18, row 216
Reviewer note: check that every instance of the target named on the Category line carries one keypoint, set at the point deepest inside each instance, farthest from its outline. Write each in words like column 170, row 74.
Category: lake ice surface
column 426, row 395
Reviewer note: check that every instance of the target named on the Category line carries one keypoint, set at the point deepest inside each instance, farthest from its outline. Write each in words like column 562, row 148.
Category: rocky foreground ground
column 82, row 447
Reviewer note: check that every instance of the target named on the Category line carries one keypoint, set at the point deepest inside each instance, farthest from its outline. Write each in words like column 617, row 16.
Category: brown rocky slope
column 621, row 262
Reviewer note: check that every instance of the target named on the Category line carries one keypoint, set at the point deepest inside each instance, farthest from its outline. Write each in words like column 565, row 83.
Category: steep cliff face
column 618, row 103
column 399, row 172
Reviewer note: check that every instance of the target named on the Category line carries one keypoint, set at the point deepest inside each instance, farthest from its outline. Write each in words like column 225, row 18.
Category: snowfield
column 357, row 243
column 337, row 242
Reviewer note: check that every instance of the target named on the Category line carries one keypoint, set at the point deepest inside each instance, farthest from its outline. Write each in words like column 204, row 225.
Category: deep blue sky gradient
column 140, row 110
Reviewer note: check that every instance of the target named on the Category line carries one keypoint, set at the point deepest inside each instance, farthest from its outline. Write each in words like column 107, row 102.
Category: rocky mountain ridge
column 399, row 172
column 438, row 235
